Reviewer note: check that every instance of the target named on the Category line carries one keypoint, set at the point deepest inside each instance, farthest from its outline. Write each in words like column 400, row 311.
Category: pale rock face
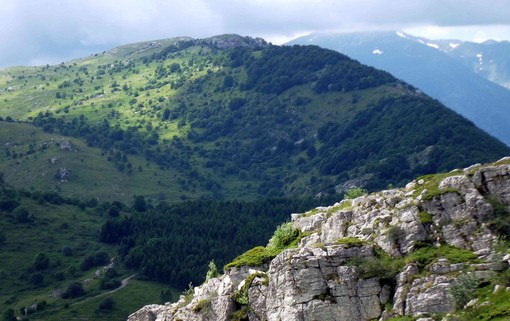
column 319, row 280
column 430, row 295
column 315, row 284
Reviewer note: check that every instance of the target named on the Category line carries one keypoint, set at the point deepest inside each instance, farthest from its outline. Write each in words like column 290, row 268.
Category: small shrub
column 36, row 279
column 212, row 272
column 355, row 192
column 382, row 266
column 74, row 290
column 395, row 234
column 500, row 221
column 425, row 217
column 351, row 242
column 107, row 304
column 241, row 314
column 255, row 257
column 41, row 261
column 241, row 296
column 22, row 215
column 200, row 305
column 463, row 289
column 67, row 251
column 284, row 236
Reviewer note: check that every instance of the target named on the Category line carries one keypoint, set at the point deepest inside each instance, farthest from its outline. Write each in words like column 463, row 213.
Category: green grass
column 498, row 308
column 257, row 256
column 349, row 242
column 431, row 184
column 427, row 255
column 127, row 300
column 55, row 227
column 39, row 158
column 425, row 217
column 284, row 237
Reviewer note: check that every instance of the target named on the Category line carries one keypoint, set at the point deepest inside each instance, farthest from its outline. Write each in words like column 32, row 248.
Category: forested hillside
column 232, row 117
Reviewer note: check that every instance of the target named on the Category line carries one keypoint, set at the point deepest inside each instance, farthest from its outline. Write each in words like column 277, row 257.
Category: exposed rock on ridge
column 329, row 276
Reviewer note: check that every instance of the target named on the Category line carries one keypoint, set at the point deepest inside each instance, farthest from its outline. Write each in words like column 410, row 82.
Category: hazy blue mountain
column 439, row 73
column 490, row 59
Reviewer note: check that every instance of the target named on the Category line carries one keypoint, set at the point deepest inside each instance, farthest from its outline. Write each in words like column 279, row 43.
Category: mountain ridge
column 229, row 111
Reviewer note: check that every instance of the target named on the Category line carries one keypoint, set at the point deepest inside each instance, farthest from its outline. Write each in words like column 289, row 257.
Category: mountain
column 441, row 71
column 489, row 59
column 227, row 117
column 161, row 156
column 438, row 246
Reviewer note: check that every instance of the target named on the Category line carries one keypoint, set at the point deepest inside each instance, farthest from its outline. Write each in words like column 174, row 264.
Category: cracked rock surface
column 321, row 279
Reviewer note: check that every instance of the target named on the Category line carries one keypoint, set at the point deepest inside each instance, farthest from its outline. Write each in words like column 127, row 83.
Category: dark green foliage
column 175, row 242
column 109, row 281
column 257, row 256
column 166, row 296
column 107, row 304
column 97, row 259
column 380, row 265
column 464, row 288
column 8, row 204
column 67, row 251
column 425, row 217
column 41, row 262
column 8, row 315
column 500, row 220
column 319, row 115
column 36, row 278
column 113, row 211
column 428, row 254
column 140, row 205
column 74, row 290
column 378, row 133
column 22, row 215
column 351, row 242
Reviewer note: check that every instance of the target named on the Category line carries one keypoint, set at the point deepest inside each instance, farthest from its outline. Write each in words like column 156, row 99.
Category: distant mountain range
column 467, row 77
column 489, row 59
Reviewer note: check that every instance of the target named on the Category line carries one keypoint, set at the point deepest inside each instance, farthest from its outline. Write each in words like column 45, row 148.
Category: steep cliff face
column 392, row 253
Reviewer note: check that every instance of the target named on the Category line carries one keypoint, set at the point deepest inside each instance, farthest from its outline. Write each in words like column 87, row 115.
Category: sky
column 40, row 32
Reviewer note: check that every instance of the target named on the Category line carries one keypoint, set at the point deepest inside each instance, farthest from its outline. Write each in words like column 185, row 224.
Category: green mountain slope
column 232, row 117
column 48, row 244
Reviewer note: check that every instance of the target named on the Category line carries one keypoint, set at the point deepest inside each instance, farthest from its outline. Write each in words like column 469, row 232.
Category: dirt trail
column 123, row 283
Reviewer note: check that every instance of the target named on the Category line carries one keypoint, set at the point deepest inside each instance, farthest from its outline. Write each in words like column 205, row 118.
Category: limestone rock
column 322, row 279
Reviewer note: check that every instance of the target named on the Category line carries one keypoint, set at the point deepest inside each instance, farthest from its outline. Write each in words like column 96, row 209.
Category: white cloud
column 34, row 30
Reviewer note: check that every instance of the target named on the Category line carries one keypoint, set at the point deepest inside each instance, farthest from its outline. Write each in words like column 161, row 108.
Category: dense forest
column 173, row 243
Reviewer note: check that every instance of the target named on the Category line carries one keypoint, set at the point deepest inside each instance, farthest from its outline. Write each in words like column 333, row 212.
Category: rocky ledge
column 393, row 253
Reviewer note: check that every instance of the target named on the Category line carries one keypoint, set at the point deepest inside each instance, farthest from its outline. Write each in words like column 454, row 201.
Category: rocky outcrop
column 391, row 253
